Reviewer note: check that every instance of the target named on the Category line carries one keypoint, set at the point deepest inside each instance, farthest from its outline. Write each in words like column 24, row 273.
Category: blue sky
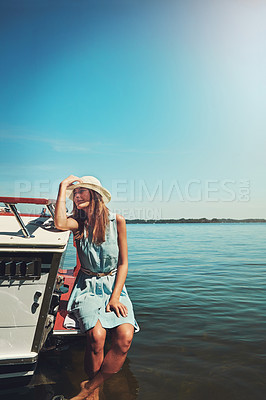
column 163, row 101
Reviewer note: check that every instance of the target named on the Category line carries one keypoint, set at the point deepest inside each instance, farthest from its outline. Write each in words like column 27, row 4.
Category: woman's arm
column 122, row 268
column 61, row 221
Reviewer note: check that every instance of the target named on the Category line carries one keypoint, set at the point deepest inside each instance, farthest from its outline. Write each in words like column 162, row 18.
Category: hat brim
column 106, row 195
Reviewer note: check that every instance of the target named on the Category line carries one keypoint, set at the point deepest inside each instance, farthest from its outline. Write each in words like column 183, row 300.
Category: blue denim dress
column 91, row 294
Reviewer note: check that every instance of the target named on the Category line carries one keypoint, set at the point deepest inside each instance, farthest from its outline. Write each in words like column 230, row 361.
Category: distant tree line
column 193, row 221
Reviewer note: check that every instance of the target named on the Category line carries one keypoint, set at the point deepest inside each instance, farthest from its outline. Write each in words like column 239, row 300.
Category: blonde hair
column 94, row 219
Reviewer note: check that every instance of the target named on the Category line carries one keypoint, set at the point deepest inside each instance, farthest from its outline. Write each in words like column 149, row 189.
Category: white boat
column 31, row 253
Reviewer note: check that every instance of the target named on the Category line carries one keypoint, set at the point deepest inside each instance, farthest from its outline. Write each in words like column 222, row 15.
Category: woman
column 99, row 300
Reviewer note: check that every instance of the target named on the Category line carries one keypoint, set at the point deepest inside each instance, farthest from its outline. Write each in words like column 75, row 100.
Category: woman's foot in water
column 85, row 393
column 91, row 391
column 95, row 395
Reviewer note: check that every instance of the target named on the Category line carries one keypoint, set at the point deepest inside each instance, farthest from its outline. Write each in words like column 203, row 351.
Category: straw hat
column 89, row 182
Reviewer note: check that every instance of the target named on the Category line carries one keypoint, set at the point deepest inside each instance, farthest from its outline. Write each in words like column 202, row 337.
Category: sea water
column 199, row 297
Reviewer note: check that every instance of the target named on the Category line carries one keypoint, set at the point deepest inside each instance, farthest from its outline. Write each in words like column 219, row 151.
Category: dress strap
column 112, row 216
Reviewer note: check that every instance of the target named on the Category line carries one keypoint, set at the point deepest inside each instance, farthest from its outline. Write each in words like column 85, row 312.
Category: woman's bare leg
column 94, row 354
column 121, row 340
column 122, row 337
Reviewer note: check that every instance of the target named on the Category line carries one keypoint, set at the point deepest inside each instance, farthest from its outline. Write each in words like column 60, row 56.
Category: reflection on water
column 60, row 372
column 201, row 305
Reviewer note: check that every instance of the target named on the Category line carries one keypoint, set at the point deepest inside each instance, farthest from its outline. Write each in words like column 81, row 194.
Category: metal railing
column 11, row 202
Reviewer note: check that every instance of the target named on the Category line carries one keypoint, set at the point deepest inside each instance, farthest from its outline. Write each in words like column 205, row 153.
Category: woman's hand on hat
column 117, row 307
column 70, row 180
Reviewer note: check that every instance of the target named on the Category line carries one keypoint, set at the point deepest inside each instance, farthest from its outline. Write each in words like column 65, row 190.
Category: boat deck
column 40, row 228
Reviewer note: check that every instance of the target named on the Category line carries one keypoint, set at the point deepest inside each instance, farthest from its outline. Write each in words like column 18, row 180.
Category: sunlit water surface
column 199, row 296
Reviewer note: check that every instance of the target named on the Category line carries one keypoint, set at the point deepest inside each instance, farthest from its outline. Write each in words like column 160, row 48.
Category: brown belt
column 97, row 274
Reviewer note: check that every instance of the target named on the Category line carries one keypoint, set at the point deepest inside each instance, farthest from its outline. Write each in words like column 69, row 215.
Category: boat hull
column 28, row 272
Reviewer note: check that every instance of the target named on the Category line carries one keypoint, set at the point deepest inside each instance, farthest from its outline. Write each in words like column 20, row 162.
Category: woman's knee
column 96, row 339
column 124, row 338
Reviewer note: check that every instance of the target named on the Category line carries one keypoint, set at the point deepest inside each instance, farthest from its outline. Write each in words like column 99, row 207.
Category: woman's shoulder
column 74, row 224
column 120, row 220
